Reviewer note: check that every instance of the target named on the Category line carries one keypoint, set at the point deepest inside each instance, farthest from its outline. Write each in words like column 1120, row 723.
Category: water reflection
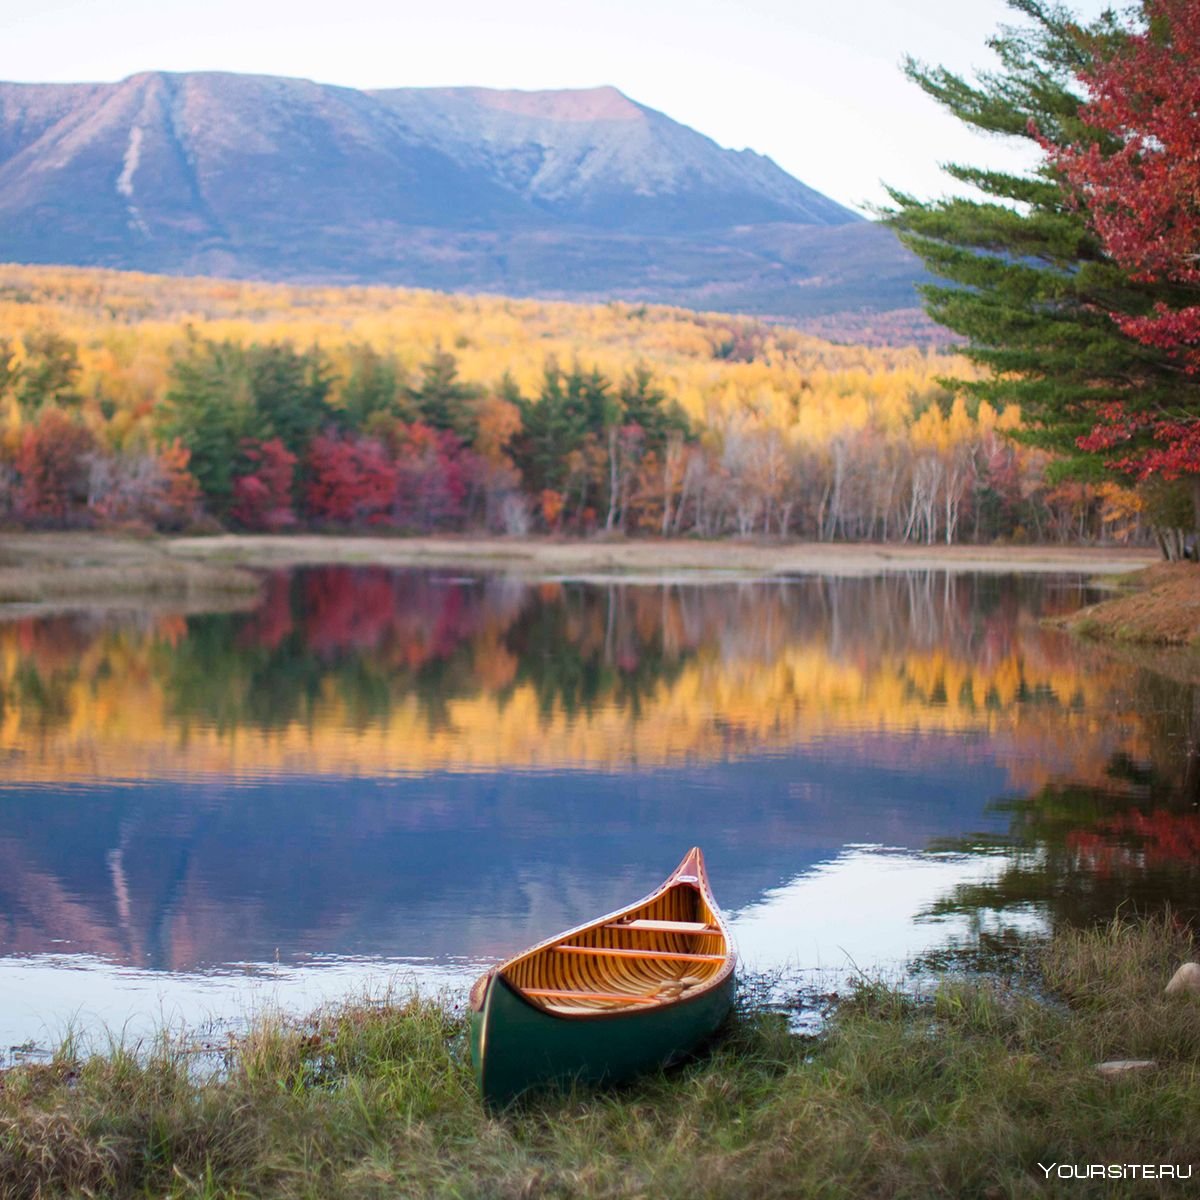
column 1081, row 850
column 407, row 768
column 371, row 672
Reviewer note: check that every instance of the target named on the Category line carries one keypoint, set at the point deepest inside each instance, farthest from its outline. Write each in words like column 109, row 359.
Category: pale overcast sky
column 817, row 86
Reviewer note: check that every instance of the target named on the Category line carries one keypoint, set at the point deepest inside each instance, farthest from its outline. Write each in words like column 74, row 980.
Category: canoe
column 630, row 991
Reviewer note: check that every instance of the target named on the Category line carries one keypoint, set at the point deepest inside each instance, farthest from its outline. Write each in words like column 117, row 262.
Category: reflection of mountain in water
column 405, row 765
column 471, row 865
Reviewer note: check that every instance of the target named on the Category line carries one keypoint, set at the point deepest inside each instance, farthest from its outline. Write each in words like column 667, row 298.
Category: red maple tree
column 352, row 480
column 262, row 495
column 432, row 468
column 1140, row 183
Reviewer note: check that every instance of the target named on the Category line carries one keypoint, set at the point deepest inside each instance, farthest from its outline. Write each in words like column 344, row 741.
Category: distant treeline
column 264, row 435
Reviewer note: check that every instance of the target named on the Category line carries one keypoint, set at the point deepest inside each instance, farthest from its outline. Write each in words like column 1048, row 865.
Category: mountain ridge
column 567, row 193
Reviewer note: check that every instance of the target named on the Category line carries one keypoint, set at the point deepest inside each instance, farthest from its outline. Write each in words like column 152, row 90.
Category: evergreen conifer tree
column 444, row 401
column 374, row 385
column 210, row 409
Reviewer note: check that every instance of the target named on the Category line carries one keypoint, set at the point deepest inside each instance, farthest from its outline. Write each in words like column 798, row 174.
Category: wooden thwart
column 664, row 926
column 669, row 955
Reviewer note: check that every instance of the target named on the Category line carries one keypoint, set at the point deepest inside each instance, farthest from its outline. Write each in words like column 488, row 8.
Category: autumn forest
column 136, row 402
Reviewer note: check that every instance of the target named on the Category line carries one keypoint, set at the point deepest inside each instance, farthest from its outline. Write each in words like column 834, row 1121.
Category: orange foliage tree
column 52, row 467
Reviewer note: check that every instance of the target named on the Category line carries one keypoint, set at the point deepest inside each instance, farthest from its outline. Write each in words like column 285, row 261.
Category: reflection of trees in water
column 386, row 637
column 376, row 639
column 370, row 640
column 368, row 637
column 52, row 657
column 581, row 647
column 1082, row 852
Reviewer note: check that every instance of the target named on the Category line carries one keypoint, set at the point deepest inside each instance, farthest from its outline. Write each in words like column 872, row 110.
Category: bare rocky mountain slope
column 572, row 194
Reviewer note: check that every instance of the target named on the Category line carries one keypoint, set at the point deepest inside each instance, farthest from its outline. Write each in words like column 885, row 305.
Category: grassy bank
column 1153, row 623
column 962, row 1094
column 1160, row 607
column 51, row 570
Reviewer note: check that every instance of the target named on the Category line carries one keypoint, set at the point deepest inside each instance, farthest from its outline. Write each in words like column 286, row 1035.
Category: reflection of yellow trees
column 81, row 705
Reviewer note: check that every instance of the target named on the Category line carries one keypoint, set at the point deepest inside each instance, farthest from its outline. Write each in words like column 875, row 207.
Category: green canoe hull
column 517, row 1046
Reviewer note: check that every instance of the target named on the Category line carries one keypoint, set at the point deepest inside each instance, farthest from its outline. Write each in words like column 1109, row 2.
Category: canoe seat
column 614, row 952
column 566, row 994
column 665, row 926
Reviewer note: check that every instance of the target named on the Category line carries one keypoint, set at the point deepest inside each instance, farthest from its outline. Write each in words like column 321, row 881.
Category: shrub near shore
column 962, row 1093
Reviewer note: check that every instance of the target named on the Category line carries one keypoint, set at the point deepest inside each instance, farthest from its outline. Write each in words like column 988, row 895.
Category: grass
column 1159, row 606
column 961, row 1093
column 45, row 569
column 37, row 585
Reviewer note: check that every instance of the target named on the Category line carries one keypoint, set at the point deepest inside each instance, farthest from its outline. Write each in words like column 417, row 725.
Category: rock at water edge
column 1185, row 981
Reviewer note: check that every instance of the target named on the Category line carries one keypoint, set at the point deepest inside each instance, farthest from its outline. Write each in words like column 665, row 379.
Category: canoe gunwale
column 612, row 1014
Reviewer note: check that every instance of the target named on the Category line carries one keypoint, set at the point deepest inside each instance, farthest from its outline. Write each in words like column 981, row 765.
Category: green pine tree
column 209, row 407
column 374, row 384
column 645, row 404
column 553, row 424
column 290, row 391
column 443, row 400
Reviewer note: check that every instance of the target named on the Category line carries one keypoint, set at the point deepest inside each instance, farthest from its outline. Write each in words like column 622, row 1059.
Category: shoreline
column 650, row 559
column 48, row 572
column 1153, row 622
column 51, row 572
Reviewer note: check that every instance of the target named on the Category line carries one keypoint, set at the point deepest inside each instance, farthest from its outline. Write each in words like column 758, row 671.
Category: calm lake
column 403, row 775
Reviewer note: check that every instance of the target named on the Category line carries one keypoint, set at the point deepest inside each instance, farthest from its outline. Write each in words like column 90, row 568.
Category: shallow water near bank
column 407, row 775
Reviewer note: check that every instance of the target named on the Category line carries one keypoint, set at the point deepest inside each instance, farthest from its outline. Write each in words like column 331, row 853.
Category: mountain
column 564, row 194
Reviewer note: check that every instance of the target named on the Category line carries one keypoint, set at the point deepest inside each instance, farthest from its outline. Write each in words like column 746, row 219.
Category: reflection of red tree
column 431, row 623
column 171, row 629
column 1137, row 839
column 405, row 621
column 52, row 643
column 272, row 621
column 347, row 608
column 452, row 624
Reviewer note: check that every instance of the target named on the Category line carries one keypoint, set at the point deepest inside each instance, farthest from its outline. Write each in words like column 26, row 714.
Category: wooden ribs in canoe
column 629, row 991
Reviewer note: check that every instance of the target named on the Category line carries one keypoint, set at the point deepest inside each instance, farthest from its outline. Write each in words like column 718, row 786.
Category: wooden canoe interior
column 648, row 955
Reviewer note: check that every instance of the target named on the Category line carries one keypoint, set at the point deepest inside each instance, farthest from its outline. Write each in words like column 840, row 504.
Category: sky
column 816, row 85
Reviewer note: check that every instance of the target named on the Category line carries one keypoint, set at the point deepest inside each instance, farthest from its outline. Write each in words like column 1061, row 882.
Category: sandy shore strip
column 47, row 572
column 652, row 560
